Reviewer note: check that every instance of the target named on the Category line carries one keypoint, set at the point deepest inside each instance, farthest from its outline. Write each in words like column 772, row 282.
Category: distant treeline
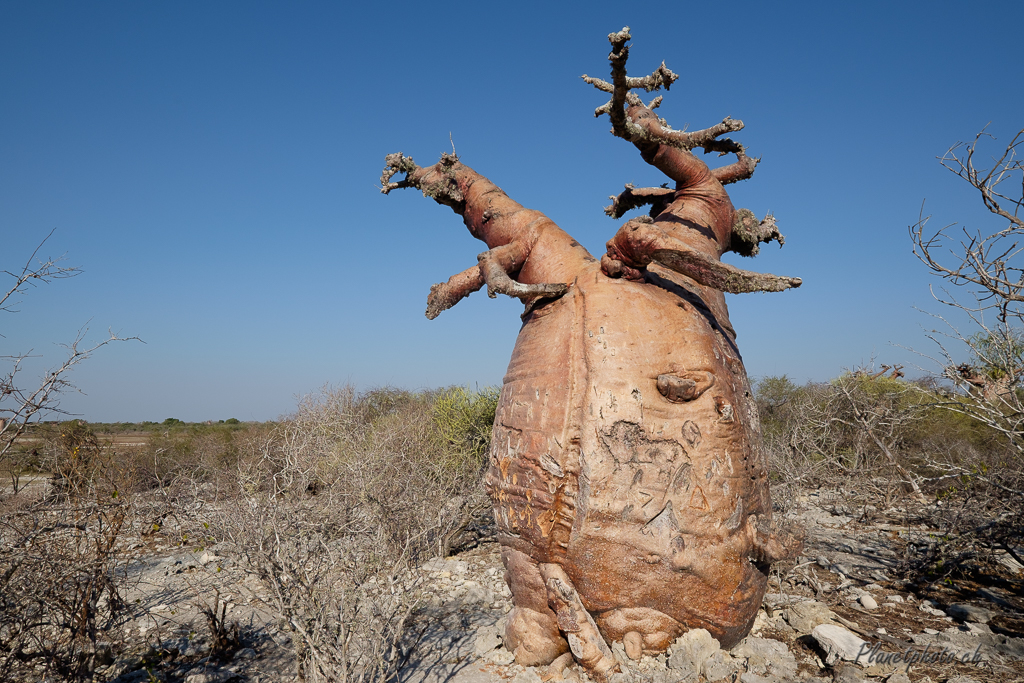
column 171, row 423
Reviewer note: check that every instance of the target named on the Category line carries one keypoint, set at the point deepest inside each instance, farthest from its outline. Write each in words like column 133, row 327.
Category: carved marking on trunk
column 698, row 500
column 681, row 479
column 691, row 432
column 549, row 464
column 664, row 522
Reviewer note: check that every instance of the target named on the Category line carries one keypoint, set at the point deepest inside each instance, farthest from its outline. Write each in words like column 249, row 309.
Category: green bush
column 462, row 422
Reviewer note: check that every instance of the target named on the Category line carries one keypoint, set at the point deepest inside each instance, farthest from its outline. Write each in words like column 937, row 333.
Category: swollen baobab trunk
column 629, row 484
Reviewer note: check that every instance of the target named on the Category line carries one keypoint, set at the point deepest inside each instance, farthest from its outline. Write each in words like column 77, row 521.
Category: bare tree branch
column 30, row 275
column 741, row 169
column 20, row 406
column 651, row 129
column 987, row 180
column 985, row 261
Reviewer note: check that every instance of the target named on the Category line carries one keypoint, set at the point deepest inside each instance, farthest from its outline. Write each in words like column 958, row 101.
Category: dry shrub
column 978, row 510
column 980, row 360
column 328, row 582
column 198, row 454
column 225, row 636
column 62, row 566
column 876, row 439
column 331, row 511
column 851, row 430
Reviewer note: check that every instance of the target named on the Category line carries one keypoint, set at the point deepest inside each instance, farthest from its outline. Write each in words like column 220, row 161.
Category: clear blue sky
column 213, row 168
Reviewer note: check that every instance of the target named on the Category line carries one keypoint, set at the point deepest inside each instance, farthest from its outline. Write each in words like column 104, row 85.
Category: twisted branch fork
column 657, row 130
column 634, row 197
column 987, row 180
column 621, row 88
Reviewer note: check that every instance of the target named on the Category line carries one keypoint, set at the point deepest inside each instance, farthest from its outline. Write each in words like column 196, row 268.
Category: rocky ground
column 837, row 614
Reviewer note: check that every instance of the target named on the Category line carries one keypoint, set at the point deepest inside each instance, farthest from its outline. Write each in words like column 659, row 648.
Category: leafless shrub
column 61, row 574
column 60, row 555
column 858, row 427
column 332, row 511
column 177, row 460
column 225, row 636
column 339, row 592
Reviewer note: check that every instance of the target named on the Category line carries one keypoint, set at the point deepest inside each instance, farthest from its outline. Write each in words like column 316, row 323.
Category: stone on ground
column 967, row 612
column 766, row 657
column 838, row 643
column 487, row 639
column 527, row 675
column 691, row 649
column 804, row 616
column 214, row 675
column 721, row 665
column 848, row 674
column 501, row 657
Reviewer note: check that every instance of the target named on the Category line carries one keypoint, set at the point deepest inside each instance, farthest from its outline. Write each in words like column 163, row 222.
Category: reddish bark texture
column 629, row 483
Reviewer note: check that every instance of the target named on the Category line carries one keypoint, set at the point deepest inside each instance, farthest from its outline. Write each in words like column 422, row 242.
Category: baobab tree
column 626, row 470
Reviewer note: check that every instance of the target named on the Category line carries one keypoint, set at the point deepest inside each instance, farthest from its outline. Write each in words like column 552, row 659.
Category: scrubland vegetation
column 352, row 487
column 355, row 487
column 884, row 439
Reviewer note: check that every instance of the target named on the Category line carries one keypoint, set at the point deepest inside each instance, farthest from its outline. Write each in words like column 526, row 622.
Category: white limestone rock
column 691, row 649
column 804, row 616
column 838, row 643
